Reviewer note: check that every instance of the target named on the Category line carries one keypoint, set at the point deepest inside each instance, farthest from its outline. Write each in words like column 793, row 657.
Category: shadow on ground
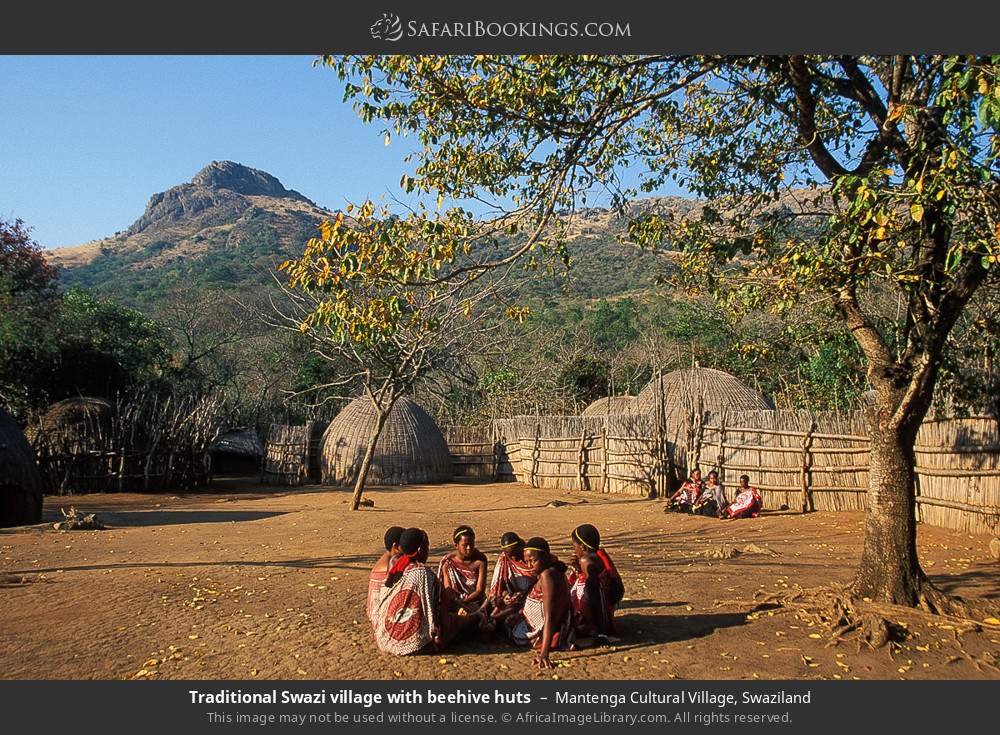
column 133, row 518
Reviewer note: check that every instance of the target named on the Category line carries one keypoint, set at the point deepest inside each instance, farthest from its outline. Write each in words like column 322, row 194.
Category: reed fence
column 291, row 454
column 615, row 454
column 801, row 460
column 143, row 445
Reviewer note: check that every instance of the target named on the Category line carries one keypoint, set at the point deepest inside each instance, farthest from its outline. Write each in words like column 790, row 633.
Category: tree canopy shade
column 843, row 180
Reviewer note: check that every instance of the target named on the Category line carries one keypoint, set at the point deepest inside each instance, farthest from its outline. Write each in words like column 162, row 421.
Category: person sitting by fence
column 687, row 495
column 712, row 501
column 545, row 621
column 748, row 502
column 376, row 578
column 512, row 577
column 405, row 617
column 596, row 587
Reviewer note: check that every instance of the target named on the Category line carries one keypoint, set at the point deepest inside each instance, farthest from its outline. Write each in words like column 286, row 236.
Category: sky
column 85, row 141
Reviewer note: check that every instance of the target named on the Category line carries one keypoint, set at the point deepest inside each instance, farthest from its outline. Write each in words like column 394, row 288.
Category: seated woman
column 712, row 501
column 687, row 495
column 462, row 574
column 748, row 502
column 376, row 578
column 512, row 578
column 595, row 587
column 544, row 621
column 404, row 618
column 462, row 595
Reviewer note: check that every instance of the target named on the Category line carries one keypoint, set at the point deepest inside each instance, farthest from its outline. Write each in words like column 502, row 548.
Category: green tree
column 367, row 294
column 614, row 324
column 28, row 298
column 835, row 178
column 104, row 348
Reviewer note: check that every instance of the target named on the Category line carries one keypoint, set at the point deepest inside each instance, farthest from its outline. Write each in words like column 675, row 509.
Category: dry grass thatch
column 20, row 481
column 410, row 450
column 704, row 389
column 80, row 424
column 611, row 406
column 242, row 442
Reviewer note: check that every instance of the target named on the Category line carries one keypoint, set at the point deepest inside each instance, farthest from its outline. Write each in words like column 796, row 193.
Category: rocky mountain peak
column 218, row 194
column 242, row 180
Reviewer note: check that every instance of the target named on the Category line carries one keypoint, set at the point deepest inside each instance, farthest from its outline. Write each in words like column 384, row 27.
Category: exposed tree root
column 847, row 616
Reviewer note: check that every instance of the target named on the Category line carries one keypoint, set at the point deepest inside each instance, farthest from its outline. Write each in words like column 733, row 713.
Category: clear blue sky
column 84, row 141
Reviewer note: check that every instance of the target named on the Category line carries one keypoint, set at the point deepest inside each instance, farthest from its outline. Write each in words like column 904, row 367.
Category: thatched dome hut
column 237, row 451
column 20, row 482
column 702, row 389
column 410, row 450
column 75, row 425
column 611, row 406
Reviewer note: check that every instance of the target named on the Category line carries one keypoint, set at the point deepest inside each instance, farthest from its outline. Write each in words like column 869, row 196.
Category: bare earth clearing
column 245, row 583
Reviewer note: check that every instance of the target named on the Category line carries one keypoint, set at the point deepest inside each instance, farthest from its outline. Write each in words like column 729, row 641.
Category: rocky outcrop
column 243, row 180
column 216, row 195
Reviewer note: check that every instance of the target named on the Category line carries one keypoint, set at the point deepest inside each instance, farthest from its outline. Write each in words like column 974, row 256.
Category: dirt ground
column 245, row 582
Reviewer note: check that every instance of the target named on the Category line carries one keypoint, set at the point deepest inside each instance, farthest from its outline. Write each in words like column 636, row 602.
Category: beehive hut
column 611, row 406
column 410, row 450
column 75, row 425
column 699, row 389
column 20, row 482
column 236, row 452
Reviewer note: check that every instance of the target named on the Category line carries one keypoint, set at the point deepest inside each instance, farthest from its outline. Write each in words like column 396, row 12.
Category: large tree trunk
column 359, row 483
column 890, row 571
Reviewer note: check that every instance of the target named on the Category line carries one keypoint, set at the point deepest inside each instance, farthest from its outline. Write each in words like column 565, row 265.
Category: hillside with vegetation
column 603, row 324
column 231, row 225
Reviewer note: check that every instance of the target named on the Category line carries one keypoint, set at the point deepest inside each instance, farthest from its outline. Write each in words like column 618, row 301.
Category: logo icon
column 387, row 28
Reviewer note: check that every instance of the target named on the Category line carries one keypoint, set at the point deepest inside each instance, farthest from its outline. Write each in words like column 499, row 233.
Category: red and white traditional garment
column 462, row 577
column 405, row 617
column 528, row 626
column 747, row 504
column 689, row 493
column 510, row 577
column 611, row 589
column 376, row 588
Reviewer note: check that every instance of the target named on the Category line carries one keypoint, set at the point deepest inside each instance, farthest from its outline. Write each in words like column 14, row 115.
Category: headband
column 511, row 544
column 464, row 531
column 577, row 537
column 536, row 548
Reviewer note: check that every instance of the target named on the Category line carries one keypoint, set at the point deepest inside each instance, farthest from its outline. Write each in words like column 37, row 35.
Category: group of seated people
column 533, row 599
column 708, row 498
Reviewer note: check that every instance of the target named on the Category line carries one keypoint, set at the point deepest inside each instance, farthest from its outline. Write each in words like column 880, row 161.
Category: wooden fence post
column 699, row 438
column 720, row 459
column 604, row 458
column 689, row 449
column 121, row 471
column 535, row 452
column 494, row 434
column 807, row 465
column 580, row 474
